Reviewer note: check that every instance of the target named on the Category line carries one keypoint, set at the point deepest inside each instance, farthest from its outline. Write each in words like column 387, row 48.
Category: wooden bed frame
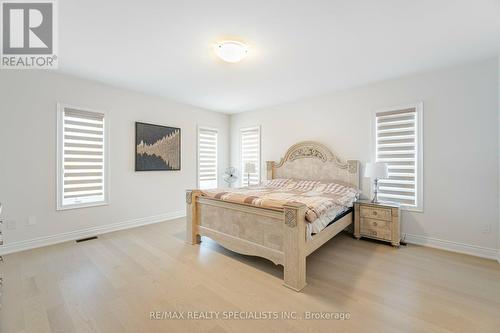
column 277, row 235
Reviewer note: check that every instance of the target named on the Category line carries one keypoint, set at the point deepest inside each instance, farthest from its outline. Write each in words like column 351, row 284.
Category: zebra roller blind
column 398, row 143
column 82, row 152
column 250, row 153
column 207, row 158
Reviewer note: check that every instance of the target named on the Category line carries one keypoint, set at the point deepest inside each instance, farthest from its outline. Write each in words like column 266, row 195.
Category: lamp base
column 375, row 191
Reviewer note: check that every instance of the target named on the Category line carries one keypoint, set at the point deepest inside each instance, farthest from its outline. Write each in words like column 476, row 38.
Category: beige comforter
column 319, row 197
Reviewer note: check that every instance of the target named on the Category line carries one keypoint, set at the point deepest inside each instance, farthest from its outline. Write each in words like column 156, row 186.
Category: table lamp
column 249, row 168
column 376, row 171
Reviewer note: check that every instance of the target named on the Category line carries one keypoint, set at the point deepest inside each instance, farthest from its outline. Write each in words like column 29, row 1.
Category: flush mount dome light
column 231, row 51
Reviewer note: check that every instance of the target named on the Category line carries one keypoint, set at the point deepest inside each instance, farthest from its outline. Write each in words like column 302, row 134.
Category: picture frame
column 157, row 147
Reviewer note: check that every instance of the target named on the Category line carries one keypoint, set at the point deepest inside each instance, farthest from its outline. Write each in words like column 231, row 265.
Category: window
column 250, row 153
column 399, row 144
column 207, row 158
column 82, row 155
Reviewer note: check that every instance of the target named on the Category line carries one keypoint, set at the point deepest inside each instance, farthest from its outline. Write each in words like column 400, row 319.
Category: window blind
column 82, row 160
column 250, row 153
column 207, row 158
column 397, row 145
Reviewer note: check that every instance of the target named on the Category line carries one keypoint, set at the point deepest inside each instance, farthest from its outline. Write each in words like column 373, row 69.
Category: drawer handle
column 374, row 224
column 374, row 213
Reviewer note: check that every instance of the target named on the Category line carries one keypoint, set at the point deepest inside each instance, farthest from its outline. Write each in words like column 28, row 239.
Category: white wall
column 28, row 153
column 461, row 145
column 461, row 165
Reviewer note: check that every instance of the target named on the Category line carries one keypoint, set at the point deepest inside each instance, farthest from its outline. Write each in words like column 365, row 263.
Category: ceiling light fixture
column 231, row 51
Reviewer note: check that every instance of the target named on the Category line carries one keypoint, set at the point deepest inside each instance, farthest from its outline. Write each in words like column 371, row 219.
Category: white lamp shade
column 249, row 167
column 376, row 170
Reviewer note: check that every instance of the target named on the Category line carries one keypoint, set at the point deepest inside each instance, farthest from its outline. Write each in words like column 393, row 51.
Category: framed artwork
column 157, row 147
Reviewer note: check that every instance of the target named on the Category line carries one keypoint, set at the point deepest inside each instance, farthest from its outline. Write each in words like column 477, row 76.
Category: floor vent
column 86, row 239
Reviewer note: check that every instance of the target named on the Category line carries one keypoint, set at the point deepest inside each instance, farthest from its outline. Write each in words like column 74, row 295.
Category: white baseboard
column 473, row 250
column 87, row 232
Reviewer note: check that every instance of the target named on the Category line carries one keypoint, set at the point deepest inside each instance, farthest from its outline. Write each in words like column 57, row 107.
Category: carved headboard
column 310, row 160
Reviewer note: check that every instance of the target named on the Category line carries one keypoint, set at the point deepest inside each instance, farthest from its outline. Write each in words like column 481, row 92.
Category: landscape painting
column 157, row 147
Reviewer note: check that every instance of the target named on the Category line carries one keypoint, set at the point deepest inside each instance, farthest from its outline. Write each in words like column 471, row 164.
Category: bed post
column 269, row 170
column 294, row 246
column 192, row 236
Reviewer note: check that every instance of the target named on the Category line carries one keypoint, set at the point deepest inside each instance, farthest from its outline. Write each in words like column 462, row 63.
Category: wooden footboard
column 277, row 235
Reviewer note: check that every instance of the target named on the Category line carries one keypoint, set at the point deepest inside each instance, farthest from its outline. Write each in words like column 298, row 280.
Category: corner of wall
column 233, row 137
column 498, row 122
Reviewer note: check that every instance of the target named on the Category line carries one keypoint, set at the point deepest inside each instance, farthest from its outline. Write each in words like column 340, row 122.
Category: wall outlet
column 486, row 229
column 32, row 220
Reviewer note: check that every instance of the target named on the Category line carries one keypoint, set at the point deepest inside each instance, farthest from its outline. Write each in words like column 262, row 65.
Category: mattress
column 321, row 199
column 329, row 217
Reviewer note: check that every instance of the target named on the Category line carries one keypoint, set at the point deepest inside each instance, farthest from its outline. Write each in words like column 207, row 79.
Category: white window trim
column 199, row 127
column 419, row 107
column 60, row 161
column 240, row 155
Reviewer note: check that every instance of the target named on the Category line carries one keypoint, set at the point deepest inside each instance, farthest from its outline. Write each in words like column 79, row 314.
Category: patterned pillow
column 278, row 182
column 305, row 185
column 345, row 194
column 336, row 188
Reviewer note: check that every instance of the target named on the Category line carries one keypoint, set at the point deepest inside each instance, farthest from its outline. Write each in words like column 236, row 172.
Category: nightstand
column 378, row 221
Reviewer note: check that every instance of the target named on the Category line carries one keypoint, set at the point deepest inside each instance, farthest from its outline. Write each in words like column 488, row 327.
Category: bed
column 278, row 233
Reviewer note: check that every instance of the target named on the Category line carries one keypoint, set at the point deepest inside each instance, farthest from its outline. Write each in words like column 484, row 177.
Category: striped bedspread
column 319, row 197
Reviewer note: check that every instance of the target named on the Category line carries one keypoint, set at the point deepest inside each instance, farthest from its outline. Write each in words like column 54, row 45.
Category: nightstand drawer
column 376, row 213
column 376, row 232
column 376, row 224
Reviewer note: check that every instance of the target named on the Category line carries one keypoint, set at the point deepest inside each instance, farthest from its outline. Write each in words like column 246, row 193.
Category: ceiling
column 297, row 48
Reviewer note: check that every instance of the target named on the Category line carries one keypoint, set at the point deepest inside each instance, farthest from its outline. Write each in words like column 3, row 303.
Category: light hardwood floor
column 113, row 283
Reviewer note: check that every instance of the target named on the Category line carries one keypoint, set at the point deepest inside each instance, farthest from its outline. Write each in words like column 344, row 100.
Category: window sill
column 83, row 205
column 412, row 209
